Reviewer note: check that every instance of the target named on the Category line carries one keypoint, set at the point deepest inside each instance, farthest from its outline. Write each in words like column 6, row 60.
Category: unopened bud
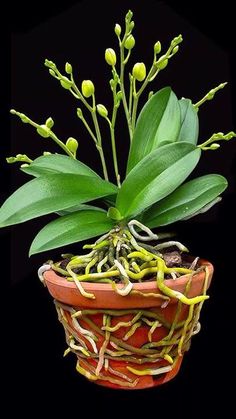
column 177, row 40
column 44, row 131
column 130, row 42
column 66, row 83
column 162, row 63
column 47, row 153
column 110, row 56
column 150, row 94
column 79, row 113
column 139, row 71
column 53, row 74
column 68, row 68
column 131, row 25
column 214, row 146
column 175, row 50
column 49, row 123
column 50, row 64
column 87, row 88
column 157, row 47
column 117, row 29
column 112, row 83
column 72, row 144
column 102, row 110
column 119, row 95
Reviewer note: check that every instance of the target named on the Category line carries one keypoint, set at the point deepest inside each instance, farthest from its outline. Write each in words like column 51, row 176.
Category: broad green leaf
column 205, row 208
column 189, row 122
column 81, row 207
column 158, row 121
column 185, row 201
column 156, row 176
column 57, row 163
column 71, row 228
column 51, row 193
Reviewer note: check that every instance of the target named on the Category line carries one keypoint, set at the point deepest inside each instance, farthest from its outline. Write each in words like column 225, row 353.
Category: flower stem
column 92, row 109
column 122, row 88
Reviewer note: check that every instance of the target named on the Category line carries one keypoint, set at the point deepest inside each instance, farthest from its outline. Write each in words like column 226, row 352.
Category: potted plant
column 131, row 302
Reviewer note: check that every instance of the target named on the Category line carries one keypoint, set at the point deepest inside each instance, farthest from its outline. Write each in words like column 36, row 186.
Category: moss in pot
column 130, row 302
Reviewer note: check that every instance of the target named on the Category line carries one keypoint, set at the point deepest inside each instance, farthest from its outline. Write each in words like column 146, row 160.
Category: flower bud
column 214, row 146
column 65, row 82
column 53, row 74
column 130, row 42
column 150, row 94
column 119, row 95
column 50, row 64
column 72, row 144
column 110, row 56
column 68, row 68
column 102, row 110
column 157, row 47
column 177, row 40
column 44, row 131
column 79, row 113
column 87, row 88
column 112, row 83
column 117, row 29
column 49, row 123
column 47, row 153
column 162, row 63
column 176, row 49
column 139, row 71
column 131, row 25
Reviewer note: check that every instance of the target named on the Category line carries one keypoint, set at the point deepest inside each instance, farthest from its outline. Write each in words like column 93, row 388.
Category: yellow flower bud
column 157, row 47
column 117, row 29
column 72, row 144
column 49, row 123
column 119, row 95
column 176, row 49
column 53, row 74
column 130, row 42
column 65, row 82
column 87, row 88
column 79, row 113
column 102, row 110
column 68, row 68
column 110, row 56
column 139, row 71
column 161, row 64
column 44, row 131
column 49, row 64
column 214, row 146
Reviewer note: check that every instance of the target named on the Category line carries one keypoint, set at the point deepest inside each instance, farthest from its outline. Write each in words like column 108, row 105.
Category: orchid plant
column 164, row 150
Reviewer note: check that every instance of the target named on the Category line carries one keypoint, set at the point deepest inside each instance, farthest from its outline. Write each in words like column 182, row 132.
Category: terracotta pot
column 137, row 353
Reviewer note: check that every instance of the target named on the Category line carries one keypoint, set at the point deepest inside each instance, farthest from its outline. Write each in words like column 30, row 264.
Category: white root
column 41, row 271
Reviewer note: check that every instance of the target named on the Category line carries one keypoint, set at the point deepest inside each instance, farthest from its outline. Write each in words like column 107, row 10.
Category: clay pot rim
column 51, row 276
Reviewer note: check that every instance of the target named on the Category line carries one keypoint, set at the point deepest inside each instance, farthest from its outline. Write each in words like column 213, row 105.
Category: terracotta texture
column 116, row 346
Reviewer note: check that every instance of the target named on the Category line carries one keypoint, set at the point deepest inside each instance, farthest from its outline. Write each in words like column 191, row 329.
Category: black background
column 79, row 32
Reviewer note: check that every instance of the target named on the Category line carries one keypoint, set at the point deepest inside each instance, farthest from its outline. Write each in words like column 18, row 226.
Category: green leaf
column 114, row 214
column 81, row 207
column 158, row 121
column 57, row 163
column 189, row 122
column 185, row 201
column 81, row 225
column 51, row 193
column 156, row 176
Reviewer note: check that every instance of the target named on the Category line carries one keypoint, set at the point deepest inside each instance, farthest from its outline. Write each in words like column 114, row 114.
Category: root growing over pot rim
column 122, row 256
